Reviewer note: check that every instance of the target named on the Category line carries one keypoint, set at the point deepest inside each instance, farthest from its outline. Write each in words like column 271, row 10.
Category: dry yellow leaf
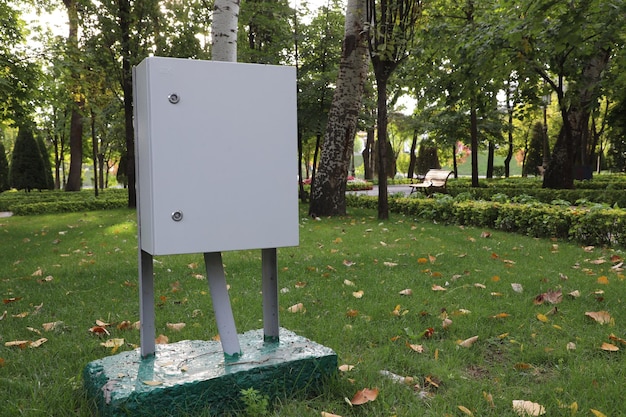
column 325, row 414
column 406, row 291
column 597, row 413
column 19, row 343
column 297, row 308
column 468, row 342
column 348, row 283
column 364, row 396
column 465, row 410
column 602, row 317
column 528, row 408
column 609, row 347
column 176, row 326
column 51, row 326
column 153, row 383
column 603, row 280
column 391, row 264
column 358, row 294
column 436, row 287
column 542, row 318
column 38, row 342
column 346, row 368
column 446, row 323
column 162, row 340
column 489, row 398
column 416, row 348
column 500, row 316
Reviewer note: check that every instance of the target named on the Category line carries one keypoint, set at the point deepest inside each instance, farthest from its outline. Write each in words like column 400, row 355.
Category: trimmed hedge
column 44, row 202
column 588, row 226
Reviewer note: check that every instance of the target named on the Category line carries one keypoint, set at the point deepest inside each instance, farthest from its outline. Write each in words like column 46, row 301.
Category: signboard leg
column 270, row 294
column 221, row 303
column 146, row 304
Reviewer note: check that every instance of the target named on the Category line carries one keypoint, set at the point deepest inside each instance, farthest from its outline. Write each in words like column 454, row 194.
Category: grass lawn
column 74, row 269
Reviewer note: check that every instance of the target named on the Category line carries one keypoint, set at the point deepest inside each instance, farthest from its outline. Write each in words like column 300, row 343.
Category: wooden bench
column 434, row 180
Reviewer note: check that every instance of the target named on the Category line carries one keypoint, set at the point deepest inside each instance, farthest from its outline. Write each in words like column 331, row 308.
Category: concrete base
column 191, row 376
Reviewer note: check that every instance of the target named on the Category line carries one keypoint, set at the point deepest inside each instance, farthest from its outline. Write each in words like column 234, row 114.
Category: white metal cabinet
column 217, row 144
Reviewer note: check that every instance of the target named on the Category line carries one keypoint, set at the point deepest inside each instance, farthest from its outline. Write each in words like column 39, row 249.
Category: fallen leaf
column 297, row 308
column 390, row 264
column 358, row 294
column 406, row 291
column 416, row 348
column 20, row 315
column 542, row 318
column 479, row 285
column 602, row 317
column 436, row 287
column 347, row 262
column 364, row 396
column 500, row 316
column 162, row 340
column 571, row 346
column 517, row 288
column 114, row 344
column 51, row 326
column 125, row 325
column 352, row 313
column 11, row 300
column 19, row 343
column 603, row 280
column 528, row 408
column 485, row 235
column 102, row 323
column 37, row 273
column 574, row 294
column 599, row 261
column 468, row 342
column 348, row 283
column 597, row 413
column 552, row 297
column 489, row 398
column 153, row 383
column 465, row 410
column 446, row 323
column 609, row 347
column 176, row 326
column 325, row 414
column 617, row 339
column 99, row 330
column 346, row 368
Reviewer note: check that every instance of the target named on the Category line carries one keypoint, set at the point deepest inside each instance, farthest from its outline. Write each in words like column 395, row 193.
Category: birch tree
column 224, row 30
column 328, row 191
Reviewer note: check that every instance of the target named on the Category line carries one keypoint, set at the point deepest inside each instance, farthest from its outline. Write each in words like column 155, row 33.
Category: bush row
column 611, row 197
column 57, row 201
column 49, row 207
column 596, row 225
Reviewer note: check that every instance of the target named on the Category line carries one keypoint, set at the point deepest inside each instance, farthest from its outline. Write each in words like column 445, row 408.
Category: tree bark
column 224, row 30
column 76, row 121
column 328, row 193
column 383, row 198
column 474, row 141
column 127, row 87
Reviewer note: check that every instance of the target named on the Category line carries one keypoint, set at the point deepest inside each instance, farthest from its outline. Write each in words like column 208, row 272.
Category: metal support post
column 270, row 294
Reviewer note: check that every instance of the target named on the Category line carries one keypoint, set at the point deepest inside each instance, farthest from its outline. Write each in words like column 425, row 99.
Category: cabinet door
column 217, row 156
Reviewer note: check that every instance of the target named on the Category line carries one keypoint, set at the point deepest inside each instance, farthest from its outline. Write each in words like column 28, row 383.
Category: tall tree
column 224, row 30
column 27, row 171
column 390, row 34
column 328, row 191
column 569, row 45
column 74, row 178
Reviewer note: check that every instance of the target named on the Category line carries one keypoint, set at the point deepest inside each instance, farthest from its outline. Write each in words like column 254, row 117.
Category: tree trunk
column 490, row 155
column 411, row 172
column 369, row 154
column 127, row 87
column 474, row 141
column 224, row 30
column 381, row 102
column 76, row 120
column 509, row 153
column 94, row 152
column 328, row 193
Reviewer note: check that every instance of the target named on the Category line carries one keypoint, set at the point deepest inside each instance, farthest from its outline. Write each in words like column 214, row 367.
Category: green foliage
column 589, row 226
column 28, row 171
column 257, row 404
column 47, row 202
column 427, row 157
column 534, row 156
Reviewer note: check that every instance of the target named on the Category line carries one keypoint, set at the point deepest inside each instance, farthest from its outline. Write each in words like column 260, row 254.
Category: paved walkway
column 5, row 214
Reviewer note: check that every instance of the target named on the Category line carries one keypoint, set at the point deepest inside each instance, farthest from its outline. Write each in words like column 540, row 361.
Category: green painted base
column 190, row 376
